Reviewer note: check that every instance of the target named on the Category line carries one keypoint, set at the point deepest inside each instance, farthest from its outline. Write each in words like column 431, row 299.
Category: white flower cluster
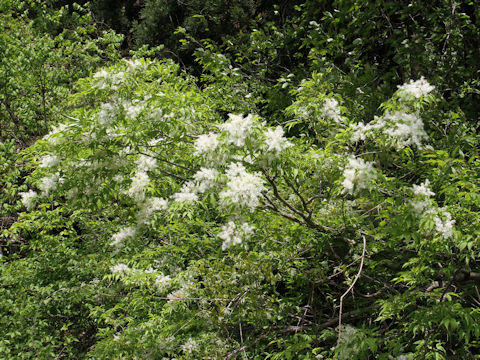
column 444, row 223
column 100, row 78
column 137, row 188
column 189, row 346
column 140, row 180
column 188, row 193
column 47, row 161
column 132, row 110
column 177, row 295
column 162, row 281
column 331, row 110
column 238, row 128
column 120, row 269
column 106, row 115
column 405, row 129
column 275, row 140
column 49, row 183
column 441, row 217
column 401, row 129
column 103, row 78
column 205, row 179
column 233, row 234
column 206, row 143
column 146, row 163
column 348, row 344
column 414, row 89
column 243, row 189
column 408, row 356
column 28, row 199
column 122, row 235
column 358, row 175
column 148, row 207
column 133, row 64
column 423, row 189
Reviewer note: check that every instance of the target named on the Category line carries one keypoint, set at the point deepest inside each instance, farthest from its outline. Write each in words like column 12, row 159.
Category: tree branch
column 350, row 288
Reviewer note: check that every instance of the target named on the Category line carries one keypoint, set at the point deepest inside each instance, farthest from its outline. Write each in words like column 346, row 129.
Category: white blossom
column 238, row 128
column 28, row 199
column 137, row 188
column 117, row 79
column 331, row 110
column 124, row 234
column 48, row 184
column 47, row 161
column 358, row 175
column 146, row 163
column 188, row 193
column 162, row 281
column 156, row 203
column 185, row 197
column 100, row 74
column 72, row 193
column 189, row 346
column 408, row 356
column 120, row 269
column 242, row 189
column 132, row 110
column 419, row 206
column 275, row 140
column 442, row 219
column 444, row 223
column 100, row 78
column 125, row 151
column 133, row 64
column 149, row 207
column 414, row 89
column 401, row 129
column 361, row 131
column 106, row 115
column 423, row 189
column 404, row 129
column 232, row 234
column 206, row 143
column 205, row 179
column 118, row 178
column 177, row 295
column 249, row 158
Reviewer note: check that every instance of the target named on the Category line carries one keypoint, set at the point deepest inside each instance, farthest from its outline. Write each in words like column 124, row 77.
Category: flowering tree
column 219, row 235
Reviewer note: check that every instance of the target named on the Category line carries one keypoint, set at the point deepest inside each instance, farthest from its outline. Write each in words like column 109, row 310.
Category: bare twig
column 351, row 287
column 272, row 206
column 304, row 203
column 306, row 218
column 350, row 314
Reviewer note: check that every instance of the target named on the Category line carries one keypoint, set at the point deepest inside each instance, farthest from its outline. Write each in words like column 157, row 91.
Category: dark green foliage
column 214, row 19
column 46, row 296
column 44, row 52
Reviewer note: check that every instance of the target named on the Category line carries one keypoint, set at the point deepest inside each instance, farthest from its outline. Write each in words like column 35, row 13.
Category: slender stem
column 350, row 288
